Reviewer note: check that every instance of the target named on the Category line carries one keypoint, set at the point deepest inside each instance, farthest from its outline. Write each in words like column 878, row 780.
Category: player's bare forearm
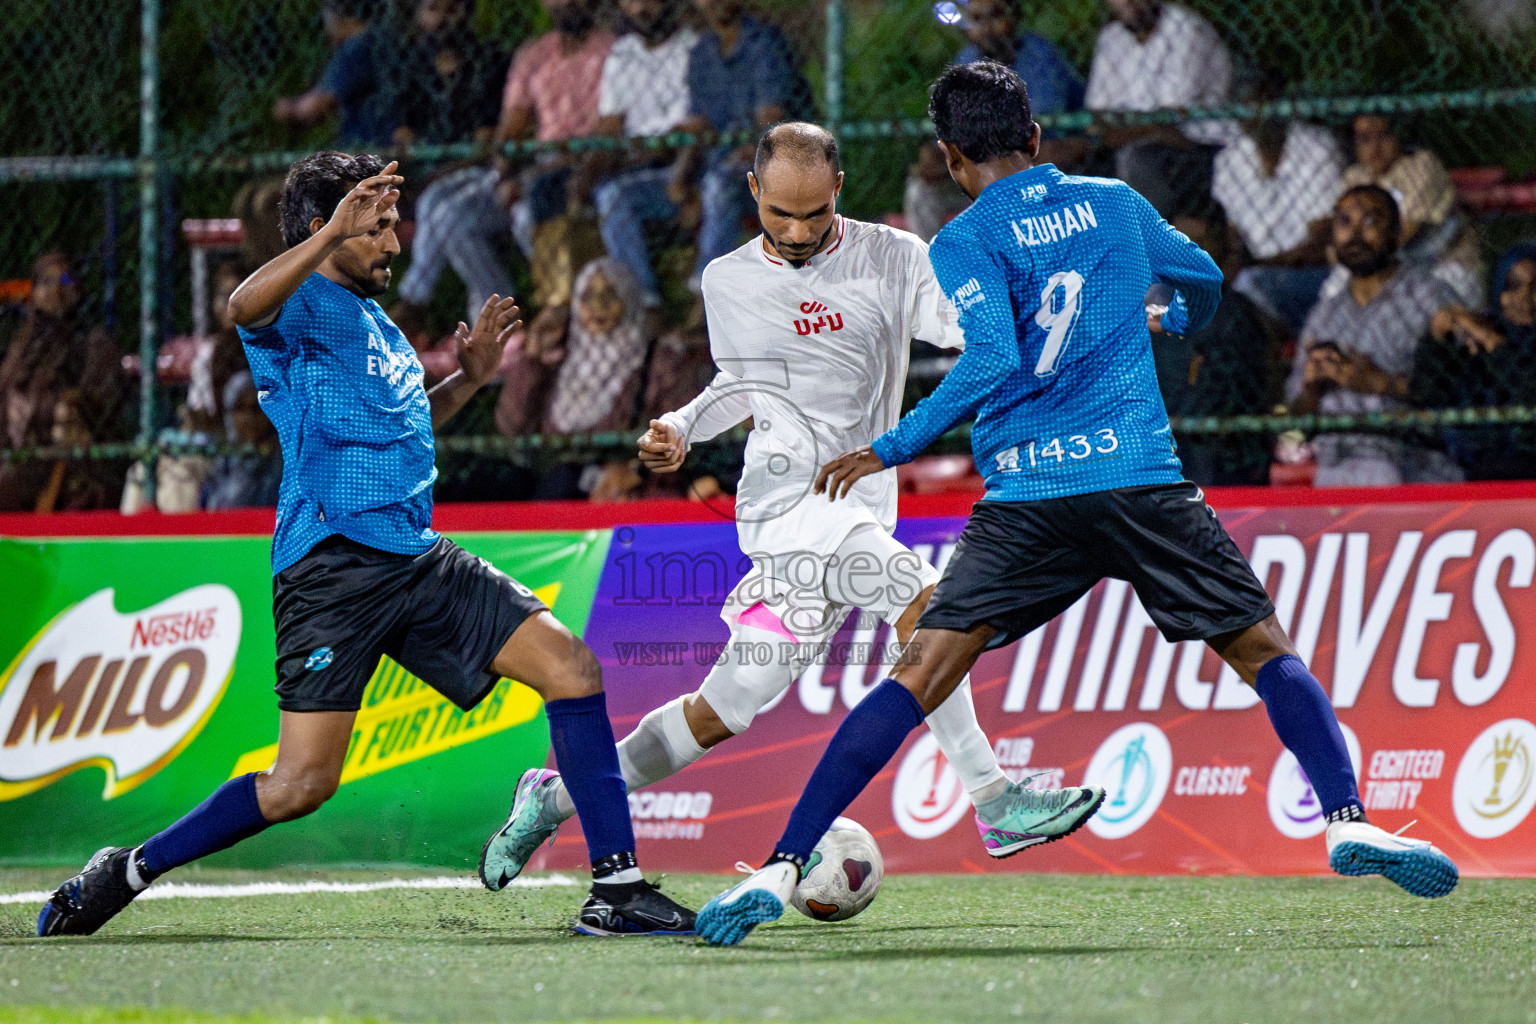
column 261, row 295
column 449, row 396
column 479, row 350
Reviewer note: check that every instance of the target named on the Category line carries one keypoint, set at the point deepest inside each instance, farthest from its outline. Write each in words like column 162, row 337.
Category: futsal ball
column 842, row 876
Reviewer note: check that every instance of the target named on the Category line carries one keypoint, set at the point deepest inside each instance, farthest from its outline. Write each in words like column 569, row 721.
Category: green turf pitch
column 997, row 948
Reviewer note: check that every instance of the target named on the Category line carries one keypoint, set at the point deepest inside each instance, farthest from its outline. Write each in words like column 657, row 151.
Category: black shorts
column 444, row 615
column 1020, row 564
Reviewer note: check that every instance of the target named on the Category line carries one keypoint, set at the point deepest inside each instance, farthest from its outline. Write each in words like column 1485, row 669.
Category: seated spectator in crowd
column 450, row 80
column 1359, row 346
column 1155, row 55
column 995, row 33
column 1434, row 232
column 1278, row 181
column 356, row 82
column 245, row 479
column 1229, row 367
column 644, row 93
column 741, row 78
column 1488, row 360
column 179, row 475
column 218, row 357
column 75, row 485
column 550, row 94
column 597, row 368
column 52, row 351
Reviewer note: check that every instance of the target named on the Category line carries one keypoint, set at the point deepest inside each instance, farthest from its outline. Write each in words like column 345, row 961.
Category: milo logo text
column 123, row 692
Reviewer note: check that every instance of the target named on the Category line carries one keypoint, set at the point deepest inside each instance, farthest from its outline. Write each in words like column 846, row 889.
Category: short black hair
column 982, row 109
column 1382, row 196
column 316, row 184
column 799, row 141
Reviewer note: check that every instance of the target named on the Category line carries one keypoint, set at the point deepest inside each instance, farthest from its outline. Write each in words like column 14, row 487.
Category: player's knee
column 580, row 675
column 290, row 795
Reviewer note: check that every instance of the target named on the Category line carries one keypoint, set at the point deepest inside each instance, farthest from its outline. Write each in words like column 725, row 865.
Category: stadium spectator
column 246, row 479
column 1358, row 348
column 1278, row 181
column 644, row 93
column 75, row 485
column 741, row 78
column 353, row 84
column 595, row 367
column 1229, row 367
column 219, row 357
column 1488, row 359
column 1155, row 55
column 1434, row 233
column 450, row 86
column 550, row 94
column 994, row 30
column 52, row 351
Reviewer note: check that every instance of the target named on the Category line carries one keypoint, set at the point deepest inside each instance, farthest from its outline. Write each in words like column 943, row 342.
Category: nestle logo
column 173, row 628
column 812, row 307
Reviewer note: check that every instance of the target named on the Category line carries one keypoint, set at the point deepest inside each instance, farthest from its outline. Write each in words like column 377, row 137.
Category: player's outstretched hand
column 661, row 448
column 837, row 477
column 480, row 349
column 360, row 210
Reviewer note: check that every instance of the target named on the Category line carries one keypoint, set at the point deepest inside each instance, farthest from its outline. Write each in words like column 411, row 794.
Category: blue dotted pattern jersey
column 344, row 389
column 1049, row 273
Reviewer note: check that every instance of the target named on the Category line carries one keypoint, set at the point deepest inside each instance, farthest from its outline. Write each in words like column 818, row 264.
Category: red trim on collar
column 842, row 226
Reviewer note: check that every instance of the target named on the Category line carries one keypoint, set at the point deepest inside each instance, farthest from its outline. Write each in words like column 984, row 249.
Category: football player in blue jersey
column 358, row 571
column 1049, row 273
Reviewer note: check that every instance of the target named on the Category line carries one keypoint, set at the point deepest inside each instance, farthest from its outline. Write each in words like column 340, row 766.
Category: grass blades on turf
column 955, row 948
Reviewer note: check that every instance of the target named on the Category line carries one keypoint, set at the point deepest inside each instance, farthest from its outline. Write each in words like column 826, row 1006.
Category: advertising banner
column 1418, row 617
column 137, row 676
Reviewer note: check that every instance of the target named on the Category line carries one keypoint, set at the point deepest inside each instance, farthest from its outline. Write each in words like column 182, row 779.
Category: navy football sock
column 1303, row 718
column 582, row 736
column 229, row 815
column 868, row 738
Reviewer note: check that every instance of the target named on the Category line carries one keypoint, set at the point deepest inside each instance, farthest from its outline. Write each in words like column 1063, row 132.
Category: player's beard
column 1363, row 261
column 370, row 285
column 810, row 248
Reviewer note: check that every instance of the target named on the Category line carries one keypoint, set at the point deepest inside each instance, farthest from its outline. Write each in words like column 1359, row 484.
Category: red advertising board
column 1415, row 610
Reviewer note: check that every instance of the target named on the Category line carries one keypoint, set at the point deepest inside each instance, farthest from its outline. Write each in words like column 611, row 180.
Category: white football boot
column 757, row 899
column 1360, row 848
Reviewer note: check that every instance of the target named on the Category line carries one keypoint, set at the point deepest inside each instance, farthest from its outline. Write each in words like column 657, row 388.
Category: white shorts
column 870, row 570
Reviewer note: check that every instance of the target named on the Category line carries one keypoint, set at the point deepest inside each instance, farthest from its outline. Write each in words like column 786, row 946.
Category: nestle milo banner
column 138, row 676
column 1418, row 617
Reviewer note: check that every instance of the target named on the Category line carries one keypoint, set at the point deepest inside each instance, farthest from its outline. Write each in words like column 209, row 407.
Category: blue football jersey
column 1049, row 273
column 344, row 389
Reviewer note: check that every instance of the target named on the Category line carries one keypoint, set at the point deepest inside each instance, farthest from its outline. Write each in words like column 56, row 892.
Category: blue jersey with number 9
column 1049, row 272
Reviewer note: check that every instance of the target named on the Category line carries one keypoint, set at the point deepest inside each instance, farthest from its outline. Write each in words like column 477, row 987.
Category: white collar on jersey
column 817, row 260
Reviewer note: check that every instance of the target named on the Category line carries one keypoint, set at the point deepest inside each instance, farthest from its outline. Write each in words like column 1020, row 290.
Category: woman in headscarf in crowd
column 596, row 367
column 1488, row 360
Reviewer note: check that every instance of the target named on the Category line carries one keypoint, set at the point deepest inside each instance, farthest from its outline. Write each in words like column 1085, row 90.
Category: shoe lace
column 1041, row 799
column 1406, row 827
column 742, row 867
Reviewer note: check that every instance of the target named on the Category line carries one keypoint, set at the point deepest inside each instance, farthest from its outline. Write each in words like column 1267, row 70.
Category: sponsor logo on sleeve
column 123, row 692
column 968, row 295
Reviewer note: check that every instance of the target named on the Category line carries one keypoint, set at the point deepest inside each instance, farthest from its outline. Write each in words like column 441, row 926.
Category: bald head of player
column 796, row 179
column 981, row 114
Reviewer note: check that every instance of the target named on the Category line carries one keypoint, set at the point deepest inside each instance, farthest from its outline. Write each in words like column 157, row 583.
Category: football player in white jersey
column 810, row 327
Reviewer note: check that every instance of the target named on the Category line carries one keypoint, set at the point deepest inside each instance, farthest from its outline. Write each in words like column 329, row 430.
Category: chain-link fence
column 1367, row 336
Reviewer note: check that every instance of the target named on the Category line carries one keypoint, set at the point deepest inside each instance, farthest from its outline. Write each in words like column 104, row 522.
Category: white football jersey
column 817, row 358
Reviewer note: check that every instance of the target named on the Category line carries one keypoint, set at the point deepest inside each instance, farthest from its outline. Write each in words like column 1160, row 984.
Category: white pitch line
column 199, row 891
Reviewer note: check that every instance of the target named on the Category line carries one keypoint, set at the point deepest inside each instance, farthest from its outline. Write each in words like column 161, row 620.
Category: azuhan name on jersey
column 344, row 389
column 1049, row 273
